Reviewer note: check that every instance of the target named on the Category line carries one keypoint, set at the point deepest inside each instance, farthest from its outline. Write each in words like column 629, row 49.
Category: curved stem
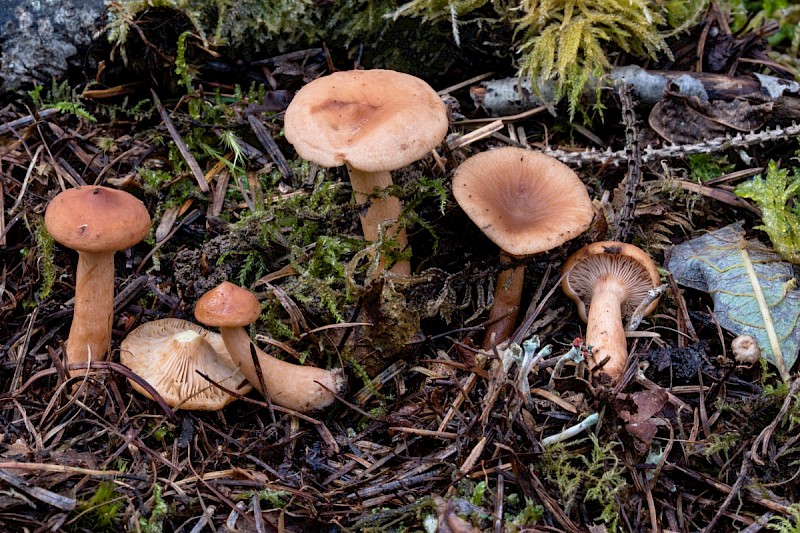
column 379, row 211
column 505, row 307
column 90, row 333
column 289, row 385
column 604, row 330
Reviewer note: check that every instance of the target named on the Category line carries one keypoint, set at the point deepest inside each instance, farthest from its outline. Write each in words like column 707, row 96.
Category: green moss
column 528, row 516
column 597, row 476
column 154, row 523
column 61, row 96
column 784, row 524
column 776, row 194
column 277, row 499
column 567, row 41
column 101, row 512
column 704, row 167
column 723, row 443
column 45, row 246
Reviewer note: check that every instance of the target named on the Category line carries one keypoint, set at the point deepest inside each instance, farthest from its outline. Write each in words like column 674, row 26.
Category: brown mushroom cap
column 97, row 219
column 168, row 353
column 227, row 305
column 372, row 120
column 603, row 260
column 524, row 201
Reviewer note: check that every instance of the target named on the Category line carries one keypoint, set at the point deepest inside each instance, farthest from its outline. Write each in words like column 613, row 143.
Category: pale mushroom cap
column 227, row 305
column 609, row 259
column 745, row 349
column 524, row 201
column 169, row 353
column 97, row 219
column 371, row 120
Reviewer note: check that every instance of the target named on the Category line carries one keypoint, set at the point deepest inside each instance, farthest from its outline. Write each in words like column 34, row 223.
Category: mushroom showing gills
column 297, row 387
column 373, row 121
column 171, row 353
column 526, row 203
column 95, row 221
column 610, row 279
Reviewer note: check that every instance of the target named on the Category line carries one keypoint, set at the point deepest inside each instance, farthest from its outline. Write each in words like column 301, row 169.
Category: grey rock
column 39, row 39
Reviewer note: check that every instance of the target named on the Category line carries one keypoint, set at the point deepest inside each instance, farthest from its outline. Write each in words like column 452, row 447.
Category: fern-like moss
column 566, row 42
column 597, row 475
column 776, row 194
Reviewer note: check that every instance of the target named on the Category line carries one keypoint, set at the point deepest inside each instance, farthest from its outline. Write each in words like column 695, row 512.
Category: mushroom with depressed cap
column 373, row 121
column 526, row 203
column 96, row 221
column 171, row 353
column 297, row 387
column 610, row 279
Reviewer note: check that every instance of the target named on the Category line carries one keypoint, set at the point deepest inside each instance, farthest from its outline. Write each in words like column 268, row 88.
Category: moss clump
column 46, row 246
column 597, row 475
column 101, row 511
column 776, row 194
column 566, row 41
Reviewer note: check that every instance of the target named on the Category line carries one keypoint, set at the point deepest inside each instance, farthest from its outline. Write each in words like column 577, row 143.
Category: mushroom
column 95, row 221
column 297, row 387
column 610, row 279
column 171, row 353
column 373, row 121
column 526, row 203
column 746, row 350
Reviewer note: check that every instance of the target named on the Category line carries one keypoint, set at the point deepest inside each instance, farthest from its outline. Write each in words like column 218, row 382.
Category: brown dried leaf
column 637, row 410
column 687, row 119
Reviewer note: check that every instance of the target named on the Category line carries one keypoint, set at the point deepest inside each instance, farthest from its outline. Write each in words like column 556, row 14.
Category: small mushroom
column 171, row 353
column 297, row 387
column 526, row 203
column 373, row 121
column 610, row 279
column 95, row 221
column 746, row 350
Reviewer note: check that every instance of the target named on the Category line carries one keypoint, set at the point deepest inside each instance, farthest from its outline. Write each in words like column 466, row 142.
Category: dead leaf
column 638, row 410
column 688, row 119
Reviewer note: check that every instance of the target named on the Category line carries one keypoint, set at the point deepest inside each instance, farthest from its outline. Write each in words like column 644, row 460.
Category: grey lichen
column 38, row 40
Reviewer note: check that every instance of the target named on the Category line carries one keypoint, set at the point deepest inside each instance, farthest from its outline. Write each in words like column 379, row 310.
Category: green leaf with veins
column 754, row 291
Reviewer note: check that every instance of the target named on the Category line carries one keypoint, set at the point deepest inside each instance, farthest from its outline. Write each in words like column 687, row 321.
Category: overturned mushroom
column 95, row 221
column 610, row 279
column 301, row 388
column 527, row 203
column 373, row 121
column 171, row 354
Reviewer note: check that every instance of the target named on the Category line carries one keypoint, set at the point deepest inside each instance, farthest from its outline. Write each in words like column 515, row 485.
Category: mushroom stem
column 90, row 333
column 301, row 388
column 379, row 211
column 505, row 307
column 604, row 331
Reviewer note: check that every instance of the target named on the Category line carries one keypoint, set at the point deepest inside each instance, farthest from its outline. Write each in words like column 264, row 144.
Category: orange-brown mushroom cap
column 227, row 305
column 168, row 354
column 525, row 202
column 625, row 262
column 372, row 120
column 97, row 219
